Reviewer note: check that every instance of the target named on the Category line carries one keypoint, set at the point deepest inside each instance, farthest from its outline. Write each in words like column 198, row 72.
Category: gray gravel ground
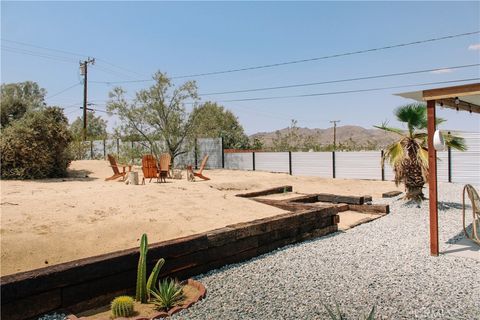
column 385, row 263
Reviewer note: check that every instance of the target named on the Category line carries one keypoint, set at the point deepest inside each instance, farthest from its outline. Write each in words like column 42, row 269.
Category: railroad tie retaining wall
column 92, row 282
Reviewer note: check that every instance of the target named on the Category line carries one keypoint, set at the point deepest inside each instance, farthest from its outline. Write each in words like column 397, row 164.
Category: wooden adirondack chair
column 149, row 168
column 164, row 164
column 116, row 173
column 191, row 173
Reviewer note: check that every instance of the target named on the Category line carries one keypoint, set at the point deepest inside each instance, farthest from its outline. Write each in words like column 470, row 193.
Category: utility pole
column 84, row 72
column 334, row 133
column 334, row 167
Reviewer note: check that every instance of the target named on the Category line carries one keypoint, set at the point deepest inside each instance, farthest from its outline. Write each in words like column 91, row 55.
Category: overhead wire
column 63, row 90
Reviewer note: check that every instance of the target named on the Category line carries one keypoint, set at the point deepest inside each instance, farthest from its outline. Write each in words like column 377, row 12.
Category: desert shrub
column 168, row 294
column 36, row 146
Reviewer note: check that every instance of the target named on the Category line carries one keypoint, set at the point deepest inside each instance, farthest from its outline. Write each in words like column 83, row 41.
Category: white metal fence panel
column 111, row 147
column 97, row 149
column 239, row 161
column 466, row 165
column 272, row 161
column 312, row 164
column 442, row 168
column 213, row 148
column 358, row 165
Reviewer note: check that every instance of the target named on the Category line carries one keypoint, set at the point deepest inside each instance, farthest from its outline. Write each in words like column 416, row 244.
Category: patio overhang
column 461, row 98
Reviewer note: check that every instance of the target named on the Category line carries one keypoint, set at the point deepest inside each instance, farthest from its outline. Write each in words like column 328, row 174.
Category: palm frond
column 390, row 129
column 414, row 115
column 394, row 153
column 455, row 142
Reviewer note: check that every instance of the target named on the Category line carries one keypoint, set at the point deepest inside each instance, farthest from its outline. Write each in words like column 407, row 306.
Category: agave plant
column 409, row 155
column 168, row 294
column 341, row 316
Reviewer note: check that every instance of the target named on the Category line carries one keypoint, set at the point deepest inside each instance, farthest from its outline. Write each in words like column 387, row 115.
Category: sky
column 132, row 40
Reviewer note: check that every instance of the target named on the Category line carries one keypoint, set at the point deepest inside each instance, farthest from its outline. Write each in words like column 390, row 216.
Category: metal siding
column 358, row 165
column 317, row 164
column 212, row 147
column 466, row 165
column 442, row 168
column 271, row 161
column 97, row 149
column 239, row 161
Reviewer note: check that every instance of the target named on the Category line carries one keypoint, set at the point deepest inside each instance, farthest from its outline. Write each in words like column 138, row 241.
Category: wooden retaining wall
column 82, row 284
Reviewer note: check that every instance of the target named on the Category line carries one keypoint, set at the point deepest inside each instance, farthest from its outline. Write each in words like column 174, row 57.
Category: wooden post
column 449, row 150
column 432, row 178
column 223, row 155
column 253, row 161
column 91, row 149
column 290, row 162
column 383, row 166
column 333, row 164
column 196, row 154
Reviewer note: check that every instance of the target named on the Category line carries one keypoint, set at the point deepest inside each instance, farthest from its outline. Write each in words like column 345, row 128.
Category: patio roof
column 465, row 97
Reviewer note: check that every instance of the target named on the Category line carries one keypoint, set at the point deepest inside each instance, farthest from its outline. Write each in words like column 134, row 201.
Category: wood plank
column 391, row 194
column 266, row 192
column 432, row 178
column 370, row 208
column 451, row 92
column 327, row 197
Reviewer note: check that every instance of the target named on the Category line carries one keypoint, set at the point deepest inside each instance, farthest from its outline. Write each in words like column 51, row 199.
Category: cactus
column 141, row 292
column 122, row 306
column 144, row 287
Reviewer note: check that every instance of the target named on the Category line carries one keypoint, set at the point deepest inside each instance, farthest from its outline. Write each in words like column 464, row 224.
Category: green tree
column 18, row 98
column 213, row 121
column 289, row 141
column 158, row 113
column 96, row 127
column 36, row 145
column 409, row 155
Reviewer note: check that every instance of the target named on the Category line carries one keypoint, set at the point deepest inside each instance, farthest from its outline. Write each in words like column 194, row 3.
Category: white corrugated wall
column 358, row 165
column 271, row 161
column 239, row 161
column 312, row 164
column 466, row 164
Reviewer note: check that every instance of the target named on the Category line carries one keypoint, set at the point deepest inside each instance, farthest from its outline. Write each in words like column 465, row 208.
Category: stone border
column 91, row 282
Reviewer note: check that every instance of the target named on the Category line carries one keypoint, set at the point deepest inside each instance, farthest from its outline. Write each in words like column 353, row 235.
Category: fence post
column 382, row 164
column 133, row 160
column 449, row 153
column 333, row 164
column 290, row 162
column 91, row 149
column 104, row 150
column 223, row 155
column 195, row 150
column 118, row 146
column 253, row 161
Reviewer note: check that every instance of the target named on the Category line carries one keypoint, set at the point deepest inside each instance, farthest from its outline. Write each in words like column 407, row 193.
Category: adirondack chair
column 474, row 235
column 116, row 173
column 191, row 173
column 164, row 164
column 149, row 168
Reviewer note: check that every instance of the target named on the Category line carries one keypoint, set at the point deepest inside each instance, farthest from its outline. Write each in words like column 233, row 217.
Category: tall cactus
column 144, row 287
column 141, row 292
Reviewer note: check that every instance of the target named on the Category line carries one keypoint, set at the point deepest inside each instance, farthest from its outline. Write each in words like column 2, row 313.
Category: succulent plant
column 144, row 286
column 168, row 294
column 341, row 316
column 122, row 306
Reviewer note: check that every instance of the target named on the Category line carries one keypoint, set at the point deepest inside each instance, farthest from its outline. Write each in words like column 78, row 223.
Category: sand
column 46, row 222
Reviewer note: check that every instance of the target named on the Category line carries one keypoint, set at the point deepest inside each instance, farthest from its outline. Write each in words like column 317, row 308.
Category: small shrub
column 168, row 294
column 36, row 146
column 122, row 306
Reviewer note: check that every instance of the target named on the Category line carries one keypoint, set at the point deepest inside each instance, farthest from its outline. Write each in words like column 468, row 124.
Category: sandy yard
column 47, row 222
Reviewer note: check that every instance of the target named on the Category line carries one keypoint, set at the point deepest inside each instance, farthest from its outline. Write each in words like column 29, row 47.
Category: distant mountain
column 355, row 136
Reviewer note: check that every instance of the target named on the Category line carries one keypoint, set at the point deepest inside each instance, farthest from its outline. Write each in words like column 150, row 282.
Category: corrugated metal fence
column 452, row 165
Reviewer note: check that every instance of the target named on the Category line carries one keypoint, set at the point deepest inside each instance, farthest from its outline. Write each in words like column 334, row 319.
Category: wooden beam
column 466, row 106
column 451, row 92
column 432, row 178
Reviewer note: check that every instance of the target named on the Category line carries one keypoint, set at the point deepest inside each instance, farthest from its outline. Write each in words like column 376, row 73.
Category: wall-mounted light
column 438, row 141
column 457, row 101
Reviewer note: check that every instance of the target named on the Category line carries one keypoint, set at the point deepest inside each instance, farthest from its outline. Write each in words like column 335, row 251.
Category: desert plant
column 36, row 145
column 122, row 306
column 409, row 155
column 168, row 294
column 144, row 286
column 341, row 316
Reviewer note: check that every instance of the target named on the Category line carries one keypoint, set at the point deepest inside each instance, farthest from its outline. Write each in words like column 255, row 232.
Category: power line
column 36, row 54
column 309, row 59
column 340, row 80
column 347, row 91
column 64, row 90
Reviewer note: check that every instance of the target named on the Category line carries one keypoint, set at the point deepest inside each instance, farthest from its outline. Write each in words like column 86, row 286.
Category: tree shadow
column 446, row 205
column 72, row 175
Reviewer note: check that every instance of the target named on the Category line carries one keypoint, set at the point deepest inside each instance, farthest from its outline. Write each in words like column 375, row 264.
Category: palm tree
column 409, row 155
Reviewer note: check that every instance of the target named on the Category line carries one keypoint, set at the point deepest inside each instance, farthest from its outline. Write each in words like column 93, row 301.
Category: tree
column 36, row 145
column 158, row 113
column 290, row 141
column 409, row 155
column 213, row 121
column 96, row 127
column 18, row 98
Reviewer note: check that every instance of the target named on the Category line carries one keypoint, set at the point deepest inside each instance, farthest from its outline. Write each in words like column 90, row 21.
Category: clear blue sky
column 194, row 37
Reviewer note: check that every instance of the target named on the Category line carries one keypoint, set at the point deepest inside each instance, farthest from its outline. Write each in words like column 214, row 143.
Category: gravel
column 384, row 263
